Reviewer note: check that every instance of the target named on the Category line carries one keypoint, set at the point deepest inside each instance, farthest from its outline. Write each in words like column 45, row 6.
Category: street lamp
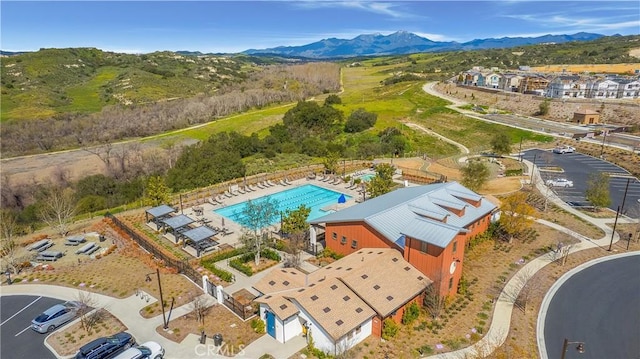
column 565, row 346
column 148, row 279
column 8, row 274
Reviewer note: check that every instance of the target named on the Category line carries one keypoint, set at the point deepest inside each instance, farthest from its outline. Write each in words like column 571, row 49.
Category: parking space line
column 27, row 306
column 22, row 331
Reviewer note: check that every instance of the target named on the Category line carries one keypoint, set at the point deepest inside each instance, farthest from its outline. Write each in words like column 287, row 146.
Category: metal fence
column 182, row 266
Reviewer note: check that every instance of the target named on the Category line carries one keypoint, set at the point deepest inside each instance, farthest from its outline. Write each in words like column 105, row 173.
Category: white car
column 148, row 350
column 564, row 149
column 559, row 182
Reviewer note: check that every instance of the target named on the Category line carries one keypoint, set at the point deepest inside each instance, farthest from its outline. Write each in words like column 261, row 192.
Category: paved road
column 599, row 306
column 18, row 340
column 577, row 168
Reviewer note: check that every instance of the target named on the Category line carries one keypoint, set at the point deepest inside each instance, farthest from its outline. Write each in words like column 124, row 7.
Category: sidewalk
column 501, row 321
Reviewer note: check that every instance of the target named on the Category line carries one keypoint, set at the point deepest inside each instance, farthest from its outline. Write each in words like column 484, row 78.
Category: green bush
column 221, row 273
column 239, row 264
column 258, row 326
column 515, row 172
column 328, row 253
column 425, row 350
column 410, row 314
column 389, row 329
column 270, row 254
column 220, row 256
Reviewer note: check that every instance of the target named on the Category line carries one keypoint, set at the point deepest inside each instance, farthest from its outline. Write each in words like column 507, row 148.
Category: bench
column 91, row 250
column 49, row 256
column 87, row 247
column 41, row 245
column 74, row 241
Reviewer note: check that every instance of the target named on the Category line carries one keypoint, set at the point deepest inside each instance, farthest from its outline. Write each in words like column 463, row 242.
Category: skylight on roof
column 286, row 282
column 346, row 298
column 376, row 287
column 395, row 259
column 272, row 283
column 326, row 309
column 389, row 298
column 283, row 307
column 334, row 287
column 314, row 297
column 339, row 322
column 359, row 310
column 407, row 268
column 420, row 277
column 364, row 276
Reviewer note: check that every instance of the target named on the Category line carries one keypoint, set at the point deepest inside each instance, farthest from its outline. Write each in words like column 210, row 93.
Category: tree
column 382, row 182
column 8, row 246
column 157, row 192
column 598, row 190
column 57, row 208
column 543, row 109
column 256, row 216
column 294, row 225
column 516, row 215
column 474, row 175
column 333, row 100
column 360, row 120
column 501, row 144
column 88, row 316
column 434, row 303
column 331, row 162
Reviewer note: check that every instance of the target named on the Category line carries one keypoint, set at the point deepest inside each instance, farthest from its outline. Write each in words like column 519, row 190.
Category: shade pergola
column 200, row 238
column 177, row 224
column 158, row 212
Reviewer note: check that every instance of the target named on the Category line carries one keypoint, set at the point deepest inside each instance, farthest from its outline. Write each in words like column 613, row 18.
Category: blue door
column 271, row 324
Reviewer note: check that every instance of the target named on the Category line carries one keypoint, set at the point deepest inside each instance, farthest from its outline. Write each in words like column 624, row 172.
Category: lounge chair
column 247, row 189
column 252, row 188
column 260, row 185
column 241, row 191
column 270, row 183
column 212, row 201
column 286, row 180
column 227, row 194
column 282, row 183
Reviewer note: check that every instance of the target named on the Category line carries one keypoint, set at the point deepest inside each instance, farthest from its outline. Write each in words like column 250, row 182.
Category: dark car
column 106, row 347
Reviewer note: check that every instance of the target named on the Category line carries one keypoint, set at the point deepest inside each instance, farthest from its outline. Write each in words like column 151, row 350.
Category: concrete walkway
column 501, row 321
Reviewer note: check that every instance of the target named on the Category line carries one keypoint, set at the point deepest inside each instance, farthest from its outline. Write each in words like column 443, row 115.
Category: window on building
column 354, row 244
column 455, row 246
column 423, row 247
column 358, row 329
column 344, row 240
column 334, row 235
column 450, row 283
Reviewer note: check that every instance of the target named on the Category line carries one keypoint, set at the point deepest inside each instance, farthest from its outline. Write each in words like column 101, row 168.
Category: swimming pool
column 310, row 195
column 367, row 177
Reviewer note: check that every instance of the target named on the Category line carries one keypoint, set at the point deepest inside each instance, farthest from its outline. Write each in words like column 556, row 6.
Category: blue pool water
column 367, row 177
column 311, row 196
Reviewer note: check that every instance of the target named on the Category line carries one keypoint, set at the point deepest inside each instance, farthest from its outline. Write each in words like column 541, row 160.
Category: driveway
column 597, row 305
column 577, row 168
column 17, row 338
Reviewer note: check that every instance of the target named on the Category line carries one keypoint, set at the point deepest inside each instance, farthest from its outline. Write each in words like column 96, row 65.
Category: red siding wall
column 365, row 236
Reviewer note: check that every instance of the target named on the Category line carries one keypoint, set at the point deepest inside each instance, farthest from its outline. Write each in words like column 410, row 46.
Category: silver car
column 56, row 316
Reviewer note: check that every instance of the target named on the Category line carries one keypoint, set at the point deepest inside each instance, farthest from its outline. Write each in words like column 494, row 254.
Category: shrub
column 240, row 265
column 410, row 314
column 258, row 326
column 425, row 350
column 221, row 273
column 270, row 254
column 389, row 329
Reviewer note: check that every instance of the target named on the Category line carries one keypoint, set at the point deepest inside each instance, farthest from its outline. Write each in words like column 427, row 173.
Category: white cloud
column 384, row 8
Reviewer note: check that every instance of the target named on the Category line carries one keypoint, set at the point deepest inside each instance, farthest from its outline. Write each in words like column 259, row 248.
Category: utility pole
column 520, row 151
column 533, row 167
column 604, row 137
column 615, row 223
column 624, row 198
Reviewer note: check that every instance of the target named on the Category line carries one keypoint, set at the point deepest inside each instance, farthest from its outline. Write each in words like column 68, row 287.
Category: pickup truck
column 559, row 182
column 564, row 149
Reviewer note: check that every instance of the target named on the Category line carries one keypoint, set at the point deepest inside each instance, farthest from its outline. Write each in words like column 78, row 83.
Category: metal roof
column 160, row 211
column 417, row 212
column 199, row 233
column 178, row 221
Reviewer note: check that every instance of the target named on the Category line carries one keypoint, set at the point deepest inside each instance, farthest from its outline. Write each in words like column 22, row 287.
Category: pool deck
column 215, row 220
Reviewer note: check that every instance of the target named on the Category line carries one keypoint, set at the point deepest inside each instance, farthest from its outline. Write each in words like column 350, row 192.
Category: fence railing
column 182, row 266
column 244, row 311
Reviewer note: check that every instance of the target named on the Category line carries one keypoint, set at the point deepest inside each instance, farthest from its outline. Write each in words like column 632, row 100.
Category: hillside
column 84, row 80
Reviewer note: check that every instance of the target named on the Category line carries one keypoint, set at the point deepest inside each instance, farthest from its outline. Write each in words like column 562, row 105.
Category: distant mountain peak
column 405, row 42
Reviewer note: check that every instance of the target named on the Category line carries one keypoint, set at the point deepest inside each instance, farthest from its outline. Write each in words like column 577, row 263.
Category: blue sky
column 234, row 26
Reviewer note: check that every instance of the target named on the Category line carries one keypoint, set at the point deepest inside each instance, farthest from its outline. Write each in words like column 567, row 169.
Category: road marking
column 22, row 331
column 27, row 306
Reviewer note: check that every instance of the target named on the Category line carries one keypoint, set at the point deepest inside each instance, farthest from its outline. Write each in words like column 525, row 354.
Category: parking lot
column 577, row 167
column 17, row 338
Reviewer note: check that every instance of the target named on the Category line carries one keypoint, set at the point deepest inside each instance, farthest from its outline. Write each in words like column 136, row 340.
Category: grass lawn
column 86, row 97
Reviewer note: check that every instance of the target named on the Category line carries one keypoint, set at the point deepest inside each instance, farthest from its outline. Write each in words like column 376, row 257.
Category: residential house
column 493, row 80
column 572, row 86
column 430, row 225
column 628, row 88
column 604, row 89
column 340, row 304
column 510, row 82
column 533, row 84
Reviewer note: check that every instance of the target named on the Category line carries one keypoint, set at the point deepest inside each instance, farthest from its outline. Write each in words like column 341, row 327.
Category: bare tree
column 562, row 252
column 8, row 245
column 89, row 314
column 434, row 303
column 58, row 208
column 199, row 307
column 524, row 283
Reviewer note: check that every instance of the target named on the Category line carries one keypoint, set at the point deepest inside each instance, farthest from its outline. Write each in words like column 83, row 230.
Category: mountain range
column 403, row 42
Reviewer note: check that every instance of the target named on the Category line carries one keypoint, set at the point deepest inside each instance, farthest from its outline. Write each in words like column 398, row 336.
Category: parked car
column 148, row 350
column 55, row 316
column 564, row 149
column 106, row 347
column 559, row 182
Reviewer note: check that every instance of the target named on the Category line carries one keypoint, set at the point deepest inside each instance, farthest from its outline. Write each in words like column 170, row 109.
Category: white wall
column 292, row 327
column 347, row 342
